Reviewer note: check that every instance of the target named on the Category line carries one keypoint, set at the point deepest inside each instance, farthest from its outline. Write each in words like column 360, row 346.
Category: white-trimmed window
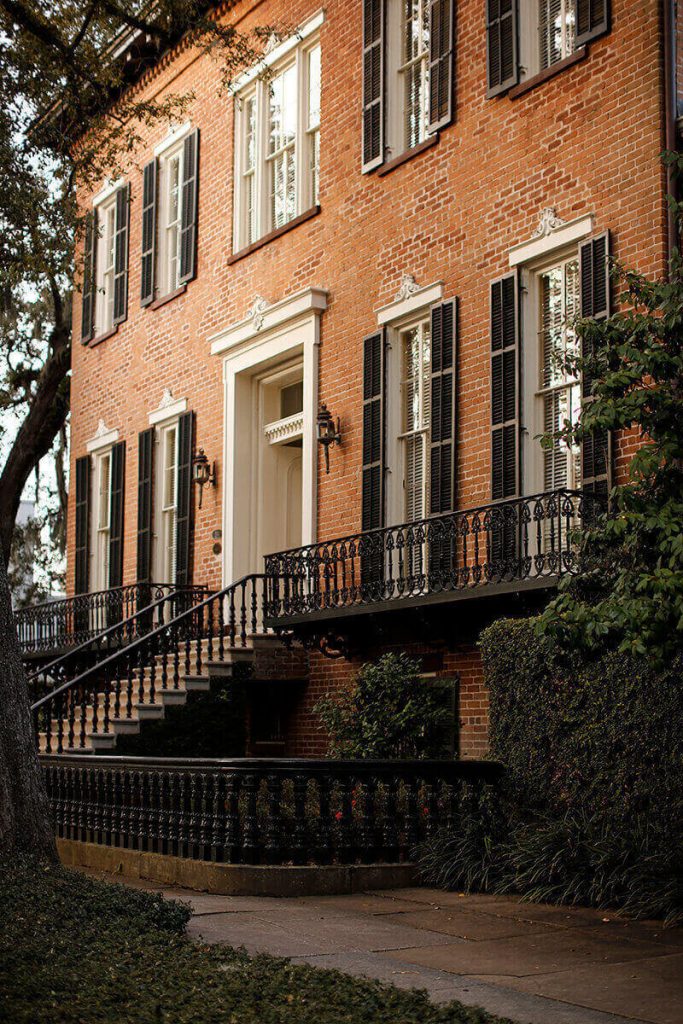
column 278, row 144
column 415, row 356
column 407, row 74
column 171, row 203
column 168, row 439
column 102, row 520
column 559, row 393
column 556, row 31
column 105, row 261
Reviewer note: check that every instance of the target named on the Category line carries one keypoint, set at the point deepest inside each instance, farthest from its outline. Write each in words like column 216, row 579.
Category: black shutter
column 121, row 254
column 89, row 270
column 82, row 546
column 505, row 481
column 373, row 83
column 441, row 63
column 596, row 449
column 118, row 469
column 443, row 421
column 149, row 232
column 501, row 45
column 183, row 573
column 190, row 193
column 592, row 20
column 145, row 508
column 372, row 550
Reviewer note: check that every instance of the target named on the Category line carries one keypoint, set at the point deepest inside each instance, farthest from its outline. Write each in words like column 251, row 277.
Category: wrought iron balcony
column 507, row 546
column 60, row 625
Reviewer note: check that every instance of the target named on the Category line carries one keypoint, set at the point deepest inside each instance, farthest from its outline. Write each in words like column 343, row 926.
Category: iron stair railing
column 138, row 676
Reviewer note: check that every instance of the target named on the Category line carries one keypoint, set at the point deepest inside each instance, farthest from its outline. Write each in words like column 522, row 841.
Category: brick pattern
column 586, row 141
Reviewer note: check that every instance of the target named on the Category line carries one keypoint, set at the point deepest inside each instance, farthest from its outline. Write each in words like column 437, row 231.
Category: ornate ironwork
column 258, row 811
column 509, row 542
column 72, row 621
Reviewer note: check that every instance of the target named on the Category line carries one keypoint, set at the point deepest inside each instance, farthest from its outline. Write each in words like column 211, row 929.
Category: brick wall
column 586, row 141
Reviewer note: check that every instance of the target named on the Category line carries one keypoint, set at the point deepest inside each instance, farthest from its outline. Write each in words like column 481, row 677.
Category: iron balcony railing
column 72, row 621
column 510, row 542
column 256, row 811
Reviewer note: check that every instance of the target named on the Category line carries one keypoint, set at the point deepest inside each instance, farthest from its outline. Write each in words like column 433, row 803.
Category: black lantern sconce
column 203, row 473
column 328, row 432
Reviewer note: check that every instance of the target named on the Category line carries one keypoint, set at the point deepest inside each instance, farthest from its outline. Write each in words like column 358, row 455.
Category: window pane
column 292, row 399
column 561, row 400
column 414, row 70
column 557, row 30
column 314, row 87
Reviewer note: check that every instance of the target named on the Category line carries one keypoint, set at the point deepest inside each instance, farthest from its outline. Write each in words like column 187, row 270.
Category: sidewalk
column 535, row 963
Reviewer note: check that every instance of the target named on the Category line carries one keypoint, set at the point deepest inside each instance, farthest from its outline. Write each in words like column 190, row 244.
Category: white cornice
column 308, row 302
column 174, row 136
column 287, row 429
column 277, row 52
column 169, row 408
column 409, row 300
column 108, row 191
column 548, row 238
column 102, row 438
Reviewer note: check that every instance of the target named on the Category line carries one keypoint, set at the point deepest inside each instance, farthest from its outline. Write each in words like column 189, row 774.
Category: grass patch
column 78, row 951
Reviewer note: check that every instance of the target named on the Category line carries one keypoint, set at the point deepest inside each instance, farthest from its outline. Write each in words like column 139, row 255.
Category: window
column 415, row 418
column 291, row 399
column 558, row 289
column 556, row 31
column 413, row 74
column 171, row 175
column 102, row 521
column 278, row 150
column 169, row 502
column 105, row 261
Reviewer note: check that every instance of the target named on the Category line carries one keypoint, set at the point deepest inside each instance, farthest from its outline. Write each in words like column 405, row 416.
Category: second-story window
column 278, row 145
column 105, row 258
column 171, row 174
column 105, row 262
column 556, row 31
column 413, row 74
column 415, row 416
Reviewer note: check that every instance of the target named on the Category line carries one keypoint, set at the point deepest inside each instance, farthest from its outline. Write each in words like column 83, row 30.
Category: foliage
column 592, row 807
column 389, row 712
column 629, row 595
column 73, row 949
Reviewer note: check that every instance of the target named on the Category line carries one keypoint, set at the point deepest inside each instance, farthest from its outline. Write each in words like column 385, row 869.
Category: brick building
column 397, row 213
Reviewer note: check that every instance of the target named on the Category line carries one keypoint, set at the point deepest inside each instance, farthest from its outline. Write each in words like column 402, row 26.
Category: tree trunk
column 46, row 416
column 25, row 826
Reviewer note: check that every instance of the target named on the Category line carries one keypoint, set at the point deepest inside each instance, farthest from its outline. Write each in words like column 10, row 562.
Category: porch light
column 202, row 472
column 328, row 432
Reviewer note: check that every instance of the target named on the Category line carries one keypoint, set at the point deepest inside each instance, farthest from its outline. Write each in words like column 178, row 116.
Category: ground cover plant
column 591, row 808
column 74, row 951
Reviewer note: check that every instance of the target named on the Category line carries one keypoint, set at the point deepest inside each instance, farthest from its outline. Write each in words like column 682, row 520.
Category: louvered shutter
column 118, row 469
column 501, row 45
column 183, row 575
column 443, row 422
column 373, row 83
column 149, row 233
column 372, row 561
column 82, row 510
column 190, row 193
column 89, row 271
column 145, row 507
column 596, row 450
column 592, row 20
column 121, row 254
column 441, row 63
column 505, row 423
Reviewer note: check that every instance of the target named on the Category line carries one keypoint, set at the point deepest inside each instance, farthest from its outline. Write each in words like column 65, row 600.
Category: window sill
column 167, row 298
column 272, row 235
column 543, row 76
column 408, row 155
column 103, row 337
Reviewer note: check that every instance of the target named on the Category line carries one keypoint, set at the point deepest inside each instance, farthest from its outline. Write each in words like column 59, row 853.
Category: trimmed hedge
column 78, row 951
column 592, row 806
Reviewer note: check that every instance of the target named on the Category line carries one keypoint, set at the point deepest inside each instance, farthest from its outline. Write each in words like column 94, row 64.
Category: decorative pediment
column 256, row 312
column 166, row 399
column 548, row 223
column 102, row 437
column 409, row 286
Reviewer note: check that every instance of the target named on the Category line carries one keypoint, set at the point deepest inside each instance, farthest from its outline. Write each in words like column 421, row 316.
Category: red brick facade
column 586, row 141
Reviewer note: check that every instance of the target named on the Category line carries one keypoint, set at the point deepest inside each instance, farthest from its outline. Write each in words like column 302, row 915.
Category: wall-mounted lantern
column 203, row 473
column 328, row 432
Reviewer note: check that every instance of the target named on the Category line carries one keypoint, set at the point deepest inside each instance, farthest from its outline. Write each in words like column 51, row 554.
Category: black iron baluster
column 273, row 829
column 250, row 830
column 300, row 831
column 231, row 843
column 324, row 784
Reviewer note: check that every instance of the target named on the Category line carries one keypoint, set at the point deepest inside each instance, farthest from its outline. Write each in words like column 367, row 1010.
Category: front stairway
column 199, row 650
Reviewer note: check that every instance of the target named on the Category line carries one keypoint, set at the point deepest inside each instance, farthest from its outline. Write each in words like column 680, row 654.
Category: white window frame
column 163, row 571
column 306, row 136
column 395, row 142
column 421, row 324
column 105, row 263
column 168, row 232
column 101, row 522
column 530, row 49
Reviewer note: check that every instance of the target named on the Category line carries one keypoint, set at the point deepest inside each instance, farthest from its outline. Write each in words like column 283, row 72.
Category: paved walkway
column 534, row 963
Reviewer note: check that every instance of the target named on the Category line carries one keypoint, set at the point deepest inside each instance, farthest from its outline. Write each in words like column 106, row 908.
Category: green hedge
column 592, row 806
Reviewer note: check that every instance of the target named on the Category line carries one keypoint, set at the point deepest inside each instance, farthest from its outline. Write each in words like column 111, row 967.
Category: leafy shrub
column 592, row 805
column 390, row 712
